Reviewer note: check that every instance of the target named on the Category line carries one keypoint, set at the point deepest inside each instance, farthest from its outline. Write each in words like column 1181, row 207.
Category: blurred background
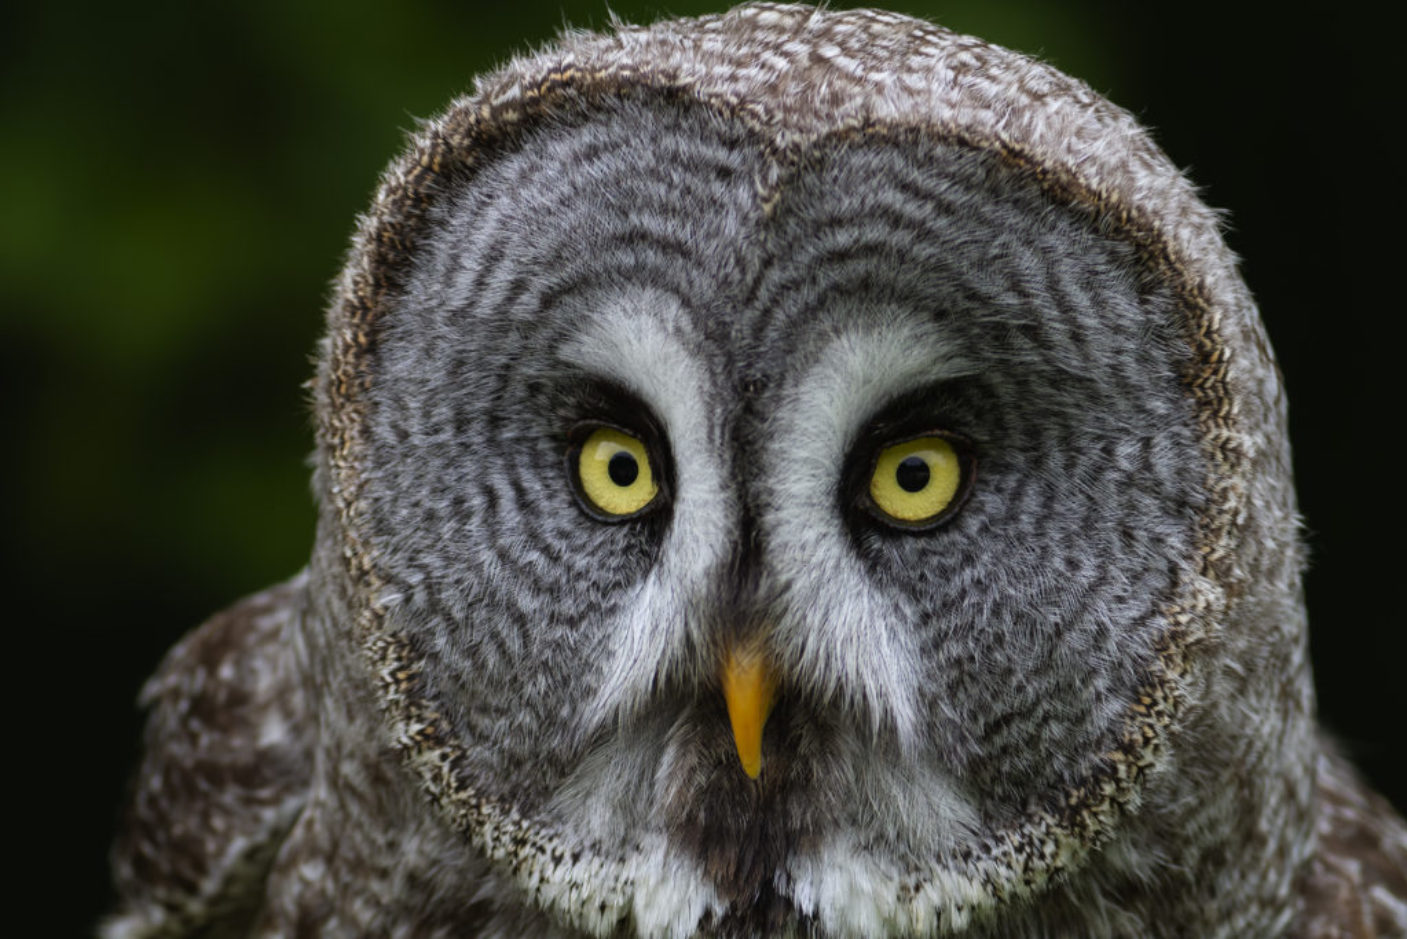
column 178, row 188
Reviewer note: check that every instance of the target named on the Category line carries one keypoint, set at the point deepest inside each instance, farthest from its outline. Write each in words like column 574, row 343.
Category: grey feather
column 770, row 245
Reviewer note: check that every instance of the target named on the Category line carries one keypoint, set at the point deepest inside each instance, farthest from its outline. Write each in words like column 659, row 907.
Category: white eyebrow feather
column 853, row 643
column 643, row 342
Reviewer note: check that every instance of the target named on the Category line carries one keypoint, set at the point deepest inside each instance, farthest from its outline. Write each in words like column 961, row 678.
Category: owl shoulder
column 1356, row 883
column 227, row 759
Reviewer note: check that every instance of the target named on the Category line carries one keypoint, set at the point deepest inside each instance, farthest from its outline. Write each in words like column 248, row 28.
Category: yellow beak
column 749, row 687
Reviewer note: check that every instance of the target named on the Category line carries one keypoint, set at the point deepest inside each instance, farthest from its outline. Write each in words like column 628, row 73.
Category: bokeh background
column 179, row 182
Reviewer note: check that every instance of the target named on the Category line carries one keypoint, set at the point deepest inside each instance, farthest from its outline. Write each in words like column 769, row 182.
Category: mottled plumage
column 750, row 255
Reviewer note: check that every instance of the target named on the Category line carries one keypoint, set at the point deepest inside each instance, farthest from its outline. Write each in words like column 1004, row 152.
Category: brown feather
column 225, row 770
column 1356, row 884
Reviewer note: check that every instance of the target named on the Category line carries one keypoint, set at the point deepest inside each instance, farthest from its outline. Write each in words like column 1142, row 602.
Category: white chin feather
column 853, row 894
column 671, row 895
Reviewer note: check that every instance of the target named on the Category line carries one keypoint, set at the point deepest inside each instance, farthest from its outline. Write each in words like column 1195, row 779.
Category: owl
column 785, row 473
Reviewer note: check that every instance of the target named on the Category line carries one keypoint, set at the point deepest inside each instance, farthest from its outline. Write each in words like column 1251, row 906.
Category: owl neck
column 1224, row 827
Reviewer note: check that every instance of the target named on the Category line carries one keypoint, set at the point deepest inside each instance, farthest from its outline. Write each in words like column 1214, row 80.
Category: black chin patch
column 742, row 831
column 769, row 915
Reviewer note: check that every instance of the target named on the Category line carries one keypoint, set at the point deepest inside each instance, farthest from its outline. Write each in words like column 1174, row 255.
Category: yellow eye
column 615, row 474
column 916, row 480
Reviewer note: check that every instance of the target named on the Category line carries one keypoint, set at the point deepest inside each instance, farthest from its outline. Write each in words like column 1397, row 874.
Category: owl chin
column 832, row 828
column 739, row 830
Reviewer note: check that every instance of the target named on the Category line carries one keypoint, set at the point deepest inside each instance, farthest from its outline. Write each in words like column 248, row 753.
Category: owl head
column 800, row 469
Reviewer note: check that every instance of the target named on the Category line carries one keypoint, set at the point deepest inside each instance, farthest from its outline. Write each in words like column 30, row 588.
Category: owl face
column 765, row 532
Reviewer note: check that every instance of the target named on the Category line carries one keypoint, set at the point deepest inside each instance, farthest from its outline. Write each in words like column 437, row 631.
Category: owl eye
column 918, row 483
column 615, row 478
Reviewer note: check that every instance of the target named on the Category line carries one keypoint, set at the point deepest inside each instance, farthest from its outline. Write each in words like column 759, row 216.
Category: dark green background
column 178, row 189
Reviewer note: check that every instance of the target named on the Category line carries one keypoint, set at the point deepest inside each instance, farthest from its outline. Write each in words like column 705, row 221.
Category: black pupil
column 623, row 469
column 911, row 474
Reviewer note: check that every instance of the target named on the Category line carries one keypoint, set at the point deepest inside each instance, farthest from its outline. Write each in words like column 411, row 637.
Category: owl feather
column 790, row 472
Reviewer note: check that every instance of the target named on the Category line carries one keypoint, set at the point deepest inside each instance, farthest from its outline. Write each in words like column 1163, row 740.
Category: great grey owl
column 784, row 473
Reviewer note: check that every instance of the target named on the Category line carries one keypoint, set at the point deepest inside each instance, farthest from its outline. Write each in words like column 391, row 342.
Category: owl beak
column 749, row 687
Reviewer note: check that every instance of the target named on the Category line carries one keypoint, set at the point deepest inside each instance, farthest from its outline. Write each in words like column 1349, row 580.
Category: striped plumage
column 769, row 246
